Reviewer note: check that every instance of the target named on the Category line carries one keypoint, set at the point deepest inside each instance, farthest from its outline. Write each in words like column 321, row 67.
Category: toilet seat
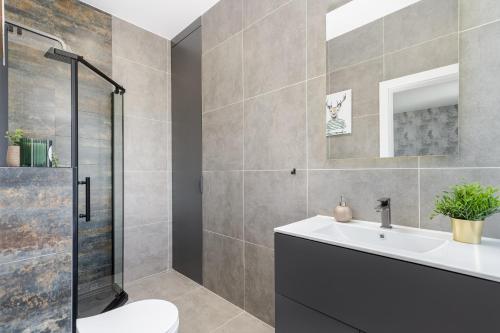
column 148, row 316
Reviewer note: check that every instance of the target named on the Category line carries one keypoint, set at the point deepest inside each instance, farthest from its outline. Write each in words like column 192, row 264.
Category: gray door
column 186, row 153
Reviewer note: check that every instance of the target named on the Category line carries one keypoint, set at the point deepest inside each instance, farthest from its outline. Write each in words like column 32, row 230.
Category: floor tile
column 245, row 323
column 168, row 286
column 201, row 311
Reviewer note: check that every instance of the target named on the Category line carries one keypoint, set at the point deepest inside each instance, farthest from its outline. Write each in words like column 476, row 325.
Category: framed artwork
column 339, row 113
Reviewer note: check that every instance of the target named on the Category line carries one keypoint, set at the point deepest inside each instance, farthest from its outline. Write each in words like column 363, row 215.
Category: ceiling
column 163, row 17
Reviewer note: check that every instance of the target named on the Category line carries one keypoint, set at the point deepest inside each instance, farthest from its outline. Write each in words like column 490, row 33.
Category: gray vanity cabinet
column 325, row 288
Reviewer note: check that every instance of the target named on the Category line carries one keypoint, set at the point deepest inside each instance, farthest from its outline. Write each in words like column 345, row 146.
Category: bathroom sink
column 374, row 236
column 426, row 247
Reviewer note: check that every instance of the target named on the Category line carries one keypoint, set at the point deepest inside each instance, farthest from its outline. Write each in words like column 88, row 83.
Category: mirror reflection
column 392, row 79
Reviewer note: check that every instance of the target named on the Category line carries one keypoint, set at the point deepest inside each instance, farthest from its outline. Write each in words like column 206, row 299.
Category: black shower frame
column 74, row 59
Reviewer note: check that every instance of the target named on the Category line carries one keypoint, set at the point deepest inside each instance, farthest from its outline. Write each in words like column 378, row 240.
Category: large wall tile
column 146, row 197
column 429, row 55
column 223, row 74
column 275, row 130
column 36, row 295
column 362, row 143
column 421, row 22
column 35, row 212
column 223, row 138
column 146, row 95
column 334, row 4
column 139, row 45
column 220, row 22
column 479, row 100
column 272, row 199
column 275, row 50
column 223, row 270
column 256, row 10
column 223, row 202
column 146, row 250
column 477, row 12
column 145, row 144
column 316, row 38
column 259, row 282
column 362, row 188
column 434, row 181
column 364, row 80
column 356, row 46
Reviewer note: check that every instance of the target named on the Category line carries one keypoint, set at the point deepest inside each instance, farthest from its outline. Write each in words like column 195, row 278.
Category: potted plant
column 14, row 151
column 468, row 205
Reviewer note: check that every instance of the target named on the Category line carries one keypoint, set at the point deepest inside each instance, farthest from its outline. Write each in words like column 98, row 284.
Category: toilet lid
column 149, row 316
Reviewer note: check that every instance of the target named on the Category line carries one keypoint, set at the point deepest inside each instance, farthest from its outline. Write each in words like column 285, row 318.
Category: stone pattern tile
column 141, row 62
column 40, row 94
column 35, row 249
column 283, row 66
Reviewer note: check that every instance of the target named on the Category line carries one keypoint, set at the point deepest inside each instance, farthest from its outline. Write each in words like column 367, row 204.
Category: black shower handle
column 86, row 182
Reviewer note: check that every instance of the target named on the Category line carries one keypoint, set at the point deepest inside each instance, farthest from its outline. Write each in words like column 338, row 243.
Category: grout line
column 237, row 239
column 197, row 287
column 243, row 154
column 222, row 107
column 266, row 15
column 35, row 257
column 243, row 28
column 146, row 225
column 142, row 64
column 343, row 68
column 228, row 321
column 276, row 90
column 421, row 43
column 165, row 122
column 264, row 93
column 204, row 54
column 250, row 170
column 479, row 26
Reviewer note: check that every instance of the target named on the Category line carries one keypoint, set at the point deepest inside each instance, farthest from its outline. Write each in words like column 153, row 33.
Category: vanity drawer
column 292, row 317
column 382, row 295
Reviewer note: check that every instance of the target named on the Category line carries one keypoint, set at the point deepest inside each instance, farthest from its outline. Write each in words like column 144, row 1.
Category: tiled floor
column 200, row 310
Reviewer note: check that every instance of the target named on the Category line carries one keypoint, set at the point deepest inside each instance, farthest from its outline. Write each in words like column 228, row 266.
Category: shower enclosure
column 59, row 96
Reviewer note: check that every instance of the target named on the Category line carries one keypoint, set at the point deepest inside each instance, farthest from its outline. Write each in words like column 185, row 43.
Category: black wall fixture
column 187, row 233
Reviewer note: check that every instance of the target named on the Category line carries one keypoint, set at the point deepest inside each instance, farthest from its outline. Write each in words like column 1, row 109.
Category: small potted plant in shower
column 468, row 205
column 14, row 149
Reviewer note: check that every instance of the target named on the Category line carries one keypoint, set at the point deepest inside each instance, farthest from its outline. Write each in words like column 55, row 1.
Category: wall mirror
column 392, row 78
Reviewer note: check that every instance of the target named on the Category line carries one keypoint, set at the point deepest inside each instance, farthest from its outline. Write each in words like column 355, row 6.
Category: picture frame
column 338, row 113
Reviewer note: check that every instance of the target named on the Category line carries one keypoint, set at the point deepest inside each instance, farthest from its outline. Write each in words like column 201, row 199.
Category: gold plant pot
column 13, row 156
column 467, row 231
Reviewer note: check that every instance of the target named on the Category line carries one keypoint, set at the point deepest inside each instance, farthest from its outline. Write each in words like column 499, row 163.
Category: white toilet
column 148, row 316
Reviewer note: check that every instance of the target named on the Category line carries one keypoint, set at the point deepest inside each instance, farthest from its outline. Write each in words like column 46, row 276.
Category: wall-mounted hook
column 294, row 171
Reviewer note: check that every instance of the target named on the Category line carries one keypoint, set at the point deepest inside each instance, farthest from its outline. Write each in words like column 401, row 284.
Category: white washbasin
column 425, row 247
column 377, row 237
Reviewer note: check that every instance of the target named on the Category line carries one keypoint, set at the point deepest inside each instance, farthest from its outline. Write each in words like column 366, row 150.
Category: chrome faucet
column 385, row 208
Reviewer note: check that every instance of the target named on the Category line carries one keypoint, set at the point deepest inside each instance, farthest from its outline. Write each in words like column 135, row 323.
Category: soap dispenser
column 342, row 212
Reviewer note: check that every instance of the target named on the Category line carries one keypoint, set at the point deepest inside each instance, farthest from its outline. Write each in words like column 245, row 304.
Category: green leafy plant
column 471, row 202
column 14, row 137
column 55, row 160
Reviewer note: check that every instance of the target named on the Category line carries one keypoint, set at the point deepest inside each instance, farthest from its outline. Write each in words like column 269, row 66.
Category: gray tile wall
column 141, row 62
column 35, row 249
column 264, row 86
